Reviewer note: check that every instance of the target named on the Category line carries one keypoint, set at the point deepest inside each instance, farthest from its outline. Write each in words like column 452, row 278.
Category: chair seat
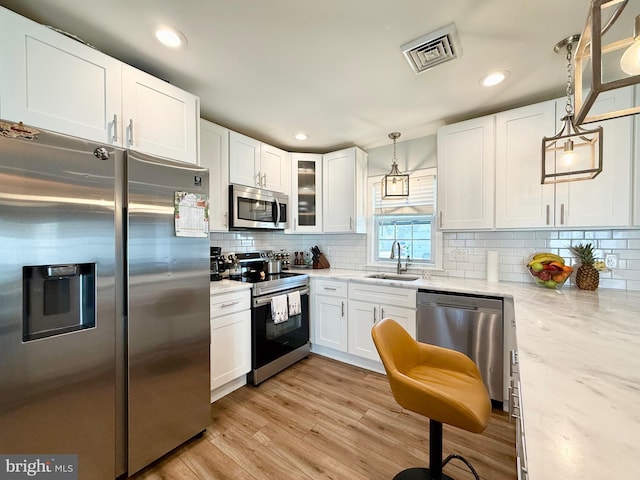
column 439, row 383
column 463, row 397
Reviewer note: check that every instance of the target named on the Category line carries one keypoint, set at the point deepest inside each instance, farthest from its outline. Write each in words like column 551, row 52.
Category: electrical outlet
column 611, row 260
column 459, row 255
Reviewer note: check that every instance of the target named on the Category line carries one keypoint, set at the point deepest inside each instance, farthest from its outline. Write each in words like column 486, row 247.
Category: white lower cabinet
column 366, row 308
column 364, row 315
column 230, row 341
column 344, row 313
column 330, row 314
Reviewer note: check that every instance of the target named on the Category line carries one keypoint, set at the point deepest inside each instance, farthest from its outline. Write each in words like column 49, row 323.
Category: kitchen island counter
column 579, row 354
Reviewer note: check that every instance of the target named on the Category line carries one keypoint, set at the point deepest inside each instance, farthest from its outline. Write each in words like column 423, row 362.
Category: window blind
column 420, row 201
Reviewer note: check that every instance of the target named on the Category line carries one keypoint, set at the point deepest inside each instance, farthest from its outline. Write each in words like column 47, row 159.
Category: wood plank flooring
column 322, row 419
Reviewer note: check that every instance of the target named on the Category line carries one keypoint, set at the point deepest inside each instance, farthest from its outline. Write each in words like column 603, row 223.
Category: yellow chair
column 441, row 384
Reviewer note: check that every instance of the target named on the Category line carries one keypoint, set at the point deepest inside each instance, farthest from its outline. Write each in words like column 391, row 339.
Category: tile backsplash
column 343, row 251
column 465, row 253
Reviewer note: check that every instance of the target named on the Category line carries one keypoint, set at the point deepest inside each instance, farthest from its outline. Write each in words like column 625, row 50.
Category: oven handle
column 257, row 302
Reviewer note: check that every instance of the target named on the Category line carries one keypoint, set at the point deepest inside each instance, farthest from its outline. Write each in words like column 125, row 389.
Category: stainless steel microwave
column 253, row 208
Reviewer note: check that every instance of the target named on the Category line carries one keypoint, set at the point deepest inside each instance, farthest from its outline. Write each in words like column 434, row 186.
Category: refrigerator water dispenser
column 57, row 299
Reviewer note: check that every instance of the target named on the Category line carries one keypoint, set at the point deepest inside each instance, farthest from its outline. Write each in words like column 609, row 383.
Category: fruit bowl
column 548, row 270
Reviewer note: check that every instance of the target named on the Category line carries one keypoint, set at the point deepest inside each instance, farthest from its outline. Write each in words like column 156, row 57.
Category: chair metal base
column 419, row 474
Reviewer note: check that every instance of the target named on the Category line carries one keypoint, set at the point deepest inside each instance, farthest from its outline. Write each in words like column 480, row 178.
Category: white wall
column 410, row 155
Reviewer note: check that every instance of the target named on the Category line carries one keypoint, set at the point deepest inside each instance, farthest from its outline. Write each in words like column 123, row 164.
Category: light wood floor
column 322, row 419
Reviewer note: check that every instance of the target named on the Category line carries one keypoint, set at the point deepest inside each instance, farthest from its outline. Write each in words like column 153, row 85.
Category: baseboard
column 228, row 387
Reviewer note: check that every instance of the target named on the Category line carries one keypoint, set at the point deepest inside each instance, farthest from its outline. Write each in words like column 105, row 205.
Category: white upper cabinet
column 606, row 200
column 53, row 82
column 256, row 164
column 244, row 160
column 160, row 119
column 50, row 81
column 466, row 162
column 521, row 200
column 344, row 176
column 306, row 193
column 214, row 154
column 275, row 169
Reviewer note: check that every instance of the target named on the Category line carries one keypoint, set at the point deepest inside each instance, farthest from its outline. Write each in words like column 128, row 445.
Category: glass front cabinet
column 306, row 193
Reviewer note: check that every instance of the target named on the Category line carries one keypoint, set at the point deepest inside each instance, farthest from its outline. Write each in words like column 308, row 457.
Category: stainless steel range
column 279, row 316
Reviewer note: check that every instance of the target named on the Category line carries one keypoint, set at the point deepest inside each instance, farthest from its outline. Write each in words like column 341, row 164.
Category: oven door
column 270, row 341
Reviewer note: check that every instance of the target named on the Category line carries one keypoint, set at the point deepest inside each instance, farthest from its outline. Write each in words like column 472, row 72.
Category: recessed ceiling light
column 301, row 136
column 170, row 37
column 494, row 78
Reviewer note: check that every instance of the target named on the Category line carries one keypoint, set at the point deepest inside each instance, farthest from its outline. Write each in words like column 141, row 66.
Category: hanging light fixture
column 573, row 153
column 395, row 184
column 607, row 58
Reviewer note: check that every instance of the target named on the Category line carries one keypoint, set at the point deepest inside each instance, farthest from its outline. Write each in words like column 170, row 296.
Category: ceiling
column 330, row 68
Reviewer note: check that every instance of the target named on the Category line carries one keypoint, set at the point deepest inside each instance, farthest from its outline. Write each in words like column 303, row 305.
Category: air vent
column 433, row 49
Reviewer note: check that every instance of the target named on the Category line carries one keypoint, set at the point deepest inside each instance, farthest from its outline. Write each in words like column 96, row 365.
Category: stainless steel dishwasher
column 471, row 324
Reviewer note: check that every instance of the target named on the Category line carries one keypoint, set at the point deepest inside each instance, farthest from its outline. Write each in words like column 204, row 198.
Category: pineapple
column 587, row 277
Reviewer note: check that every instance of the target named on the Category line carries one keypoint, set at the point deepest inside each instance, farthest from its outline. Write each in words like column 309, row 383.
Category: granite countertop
column 579, row 356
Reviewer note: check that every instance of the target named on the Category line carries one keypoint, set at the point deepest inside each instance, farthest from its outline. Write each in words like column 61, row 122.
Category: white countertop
column 226, row 286
column 579, row 355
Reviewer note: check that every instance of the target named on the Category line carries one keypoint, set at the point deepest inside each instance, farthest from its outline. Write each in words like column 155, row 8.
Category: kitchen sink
column 391, row 276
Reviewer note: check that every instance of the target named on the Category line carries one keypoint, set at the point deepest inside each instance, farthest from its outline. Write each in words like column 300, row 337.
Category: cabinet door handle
column 342, row 309
column 230, row 304
column 381, row 313
column 258, row 180
column 115, row 128
column 548, row 213
column 264, row 179
column 562, row 214
column 333, row 289
column 226, row 219
column 295, row 223
column 350, row 223
column 131, row 131
column 510, row 402
column 375, row 311
column 440, row 219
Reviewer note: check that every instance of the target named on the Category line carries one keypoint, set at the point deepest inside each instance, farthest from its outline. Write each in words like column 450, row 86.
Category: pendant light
column 573, row 153
column 395, row 184
column 606, row 59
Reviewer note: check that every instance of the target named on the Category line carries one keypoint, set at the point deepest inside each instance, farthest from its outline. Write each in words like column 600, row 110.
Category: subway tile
column 546, row 234
column 475, row 274
column 494, row 235
column 612, row 283
column 620, row 234
column 615, row 243
column 572, row 234
column 633, row 244
column 525, row 235
column 633, row 285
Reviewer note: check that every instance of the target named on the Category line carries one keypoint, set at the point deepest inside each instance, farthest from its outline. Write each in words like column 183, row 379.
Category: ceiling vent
column 433, row 49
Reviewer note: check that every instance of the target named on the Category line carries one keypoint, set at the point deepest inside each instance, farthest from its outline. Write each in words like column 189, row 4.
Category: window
column 409, row 221
column 412, row 232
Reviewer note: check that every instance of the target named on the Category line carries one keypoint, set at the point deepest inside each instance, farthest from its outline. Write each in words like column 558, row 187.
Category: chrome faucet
column 400, row 268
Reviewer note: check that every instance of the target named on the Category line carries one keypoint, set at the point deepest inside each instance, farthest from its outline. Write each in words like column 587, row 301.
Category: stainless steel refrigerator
column 104, row 309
